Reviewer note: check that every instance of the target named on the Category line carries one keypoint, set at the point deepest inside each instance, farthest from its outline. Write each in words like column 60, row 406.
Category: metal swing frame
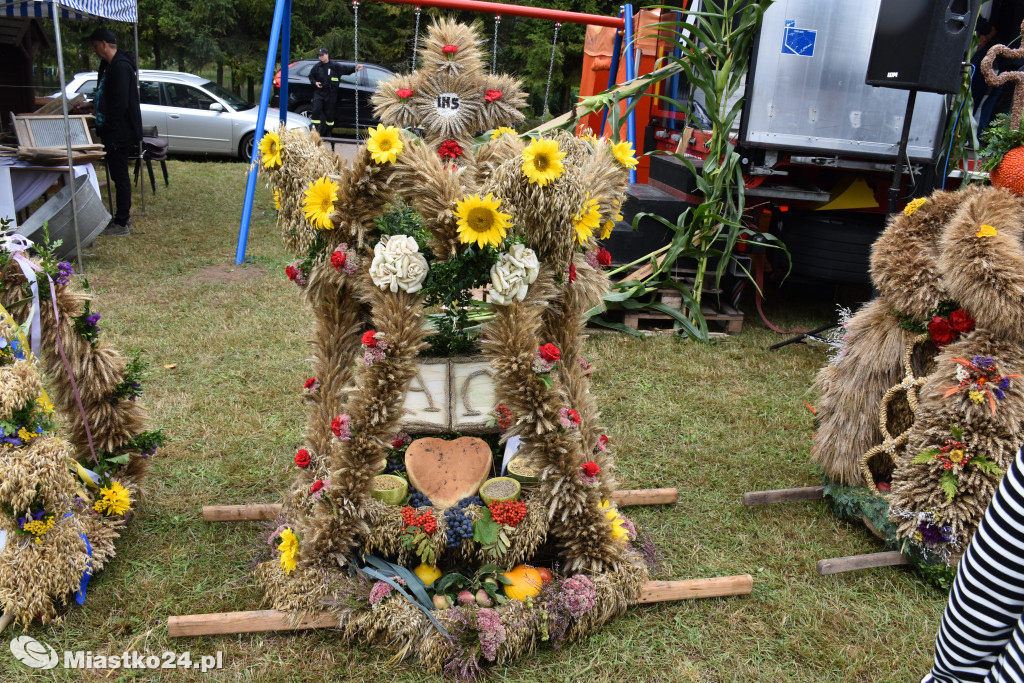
column 280, row 36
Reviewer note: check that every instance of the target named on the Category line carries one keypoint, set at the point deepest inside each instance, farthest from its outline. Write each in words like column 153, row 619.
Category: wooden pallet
column 728, row 319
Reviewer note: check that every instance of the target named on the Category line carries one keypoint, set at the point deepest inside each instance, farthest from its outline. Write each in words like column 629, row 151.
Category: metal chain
column 494, row 45
column 551, row 70
column 355, row 10
column 416, row 39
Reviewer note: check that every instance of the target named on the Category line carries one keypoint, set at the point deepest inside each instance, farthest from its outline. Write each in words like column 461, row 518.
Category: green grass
column 713, row 420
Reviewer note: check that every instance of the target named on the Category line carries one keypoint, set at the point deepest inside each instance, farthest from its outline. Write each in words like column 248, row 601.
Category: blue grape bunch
column 419, row 500
column 458, row 522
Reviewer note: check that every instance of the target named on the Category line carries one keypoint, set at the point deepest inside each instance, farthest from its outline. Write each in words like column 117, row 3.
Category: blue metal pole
column 286, row 46
column 261, row 120
column 612, row 75
column 630, row 75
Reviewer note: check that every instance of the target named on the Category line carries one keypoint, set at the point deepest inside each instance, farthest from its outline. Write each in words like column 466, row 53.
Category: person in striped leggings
column 982, row 633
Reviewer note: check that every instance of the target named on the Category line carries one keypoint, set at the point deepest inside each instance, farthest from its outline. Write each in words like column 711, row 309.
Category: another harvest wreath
column 394, row 241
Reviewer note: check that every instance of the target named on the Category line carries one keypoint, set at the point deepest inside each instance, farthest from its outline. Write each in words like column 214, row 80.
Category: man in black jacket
column 118, row 120
column 325, row 77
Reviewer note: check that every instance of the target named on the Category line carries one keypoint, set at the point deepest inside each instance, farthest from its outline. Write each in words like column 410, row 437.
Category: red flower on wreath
column 404, row 93
column 302, row 458
column 590, row 469
column 961, row 321
column 550, row 353
column 604, row 257
column 338, row 259
column 940, row 331
column 292, row 272
column 572, row 272
column 492, row 95
column 602, row 443
column 311, row 384
column 317, row 485
column 573, row 416
column 450, row 49
column 369, row 339
column 449, row 149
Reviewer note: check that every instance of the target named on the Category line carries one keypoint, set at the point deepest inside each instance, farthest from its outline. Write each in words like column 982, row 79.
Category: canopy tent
column 116, row 10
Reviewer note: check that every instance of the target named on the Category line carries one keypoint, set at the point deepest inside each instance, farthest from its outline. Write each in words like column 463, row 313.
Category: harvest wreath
column 921, row 406
column 391, row 534
column 63, row 503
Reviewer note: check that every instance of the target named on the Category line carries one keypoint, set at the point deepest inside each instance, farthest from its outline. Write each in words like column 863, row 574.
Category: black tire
column 245, row 147
column 304, row 109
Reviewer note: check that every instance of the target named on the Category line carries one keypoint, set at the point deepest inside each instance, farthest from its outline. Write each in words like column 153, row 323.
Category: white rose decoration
column 398, row 264
column 512, row 275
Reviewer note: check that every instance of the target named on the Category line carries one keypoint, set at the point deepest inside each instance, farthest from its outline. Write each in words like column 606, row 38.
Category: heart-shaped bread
column 448, row 471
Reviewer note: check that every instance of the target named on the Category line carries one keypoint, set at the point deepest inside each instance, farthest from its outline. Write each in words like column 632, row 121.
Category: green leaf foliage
column 925, row 456
column 949, row 482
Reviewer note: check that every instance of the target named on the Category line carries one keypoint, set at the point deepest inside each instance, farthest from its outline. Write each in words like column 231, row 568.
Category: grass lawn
column 713, row 420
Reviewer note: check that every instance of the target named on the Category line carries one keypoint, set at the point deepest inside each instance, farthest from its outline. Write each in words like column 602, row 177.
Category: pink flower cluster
column 491, row 632
column 576, row 596
column 340, row 425
column 585, row 366
column 602, row 444
column 343, row 260
column 382, row 589
column 294, row 272
column 569, row 418
column 375, row 347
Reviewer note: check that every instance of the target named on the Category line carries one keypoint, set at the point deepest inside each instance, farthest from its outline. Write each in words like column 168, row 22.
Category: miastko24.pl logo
column 37, row 655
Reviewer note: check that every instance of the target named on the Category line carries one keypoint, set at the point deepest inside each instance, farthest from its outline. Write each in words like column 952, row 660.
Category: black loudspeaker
column 921, row 44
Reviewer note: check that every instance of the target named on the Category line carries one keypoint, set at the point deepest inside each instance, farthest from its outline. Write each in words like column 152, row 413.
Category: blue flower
column 16, row 347
column 999, row 393
column 1004, row 383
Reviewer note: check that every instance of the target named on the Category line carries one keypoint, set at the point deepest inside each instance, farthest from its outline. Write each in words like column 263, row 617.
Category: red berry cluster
column 424, row 520
column 504, row 415
column 508, row 512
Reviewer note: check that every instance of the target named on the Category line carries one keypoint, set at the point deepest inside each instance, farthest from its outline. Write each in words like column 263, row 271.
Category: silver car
column 193, row 114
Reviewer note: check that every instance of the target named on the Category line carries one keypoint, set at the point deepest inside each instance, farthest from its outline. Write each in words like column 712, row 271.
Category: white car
column 193, row 114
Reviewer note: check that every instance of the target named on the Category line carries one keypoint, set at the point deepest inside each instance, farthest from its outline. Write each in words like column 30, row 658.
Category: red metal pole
column 517, row 10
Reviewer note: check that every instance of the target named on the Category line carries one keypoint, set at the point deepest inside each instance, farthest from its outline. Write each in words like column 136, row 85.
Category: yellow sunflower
column 623, row 152
column 912, row 206
column 289, row 550
column 611, row 513
column 319, row 204
column 480, row 221
column 277, row 199
column 114, row 500
column 385, row 144
column 542, row 162
column 501, row 130
column 586, row 220
column 270, row 150
column 609, row 225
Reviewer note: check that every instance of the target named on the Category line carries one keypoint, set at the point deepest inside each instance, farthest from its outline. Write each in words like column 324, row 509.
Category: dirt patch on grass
column 230, row 274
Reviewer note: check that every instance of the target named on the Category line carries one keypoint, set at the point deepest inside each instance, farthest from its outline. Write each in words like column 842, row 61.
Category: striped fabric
column 117, row 10
column 982, row 633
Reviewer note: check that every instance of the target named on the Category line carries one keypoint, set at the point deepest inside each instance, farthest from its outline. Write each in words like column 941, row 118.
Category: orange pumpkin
column 1010, row 172
column 525, row 582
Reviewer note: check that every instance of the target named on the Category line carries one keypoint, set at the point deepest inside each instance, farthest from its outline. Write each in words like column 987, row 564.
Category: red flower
column 370, row 338
column 397, row 443
column 572, row 272
column 317, row 485
column 884, row 487
column 590, row 469
column 492, row 95
column 302, row 458
column 292, row 272
column 602, row 443
column 573, row 416
column 450, row 49
column 550, row 353
column 310, row 383
column 338, row 259
column 961, row 321
column 449, row 149
column 604, row 257
column 941, row 331
column 404, row 93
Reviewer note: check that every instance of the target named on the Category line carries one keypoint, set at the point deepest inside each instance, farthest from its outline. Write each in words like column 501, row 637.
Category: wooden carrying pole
column 783, row 495
column 256, row 513
column 838, row 565
column 223, row 623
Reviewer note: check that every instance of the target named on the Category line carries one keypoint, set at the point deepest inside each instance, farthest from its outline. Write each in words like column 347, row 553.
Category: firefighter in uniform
column 325, row 77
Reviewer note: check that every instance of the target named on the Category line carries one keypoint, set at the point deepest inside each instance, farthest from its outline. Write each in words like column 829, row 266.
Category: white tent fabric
column 116, row 10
